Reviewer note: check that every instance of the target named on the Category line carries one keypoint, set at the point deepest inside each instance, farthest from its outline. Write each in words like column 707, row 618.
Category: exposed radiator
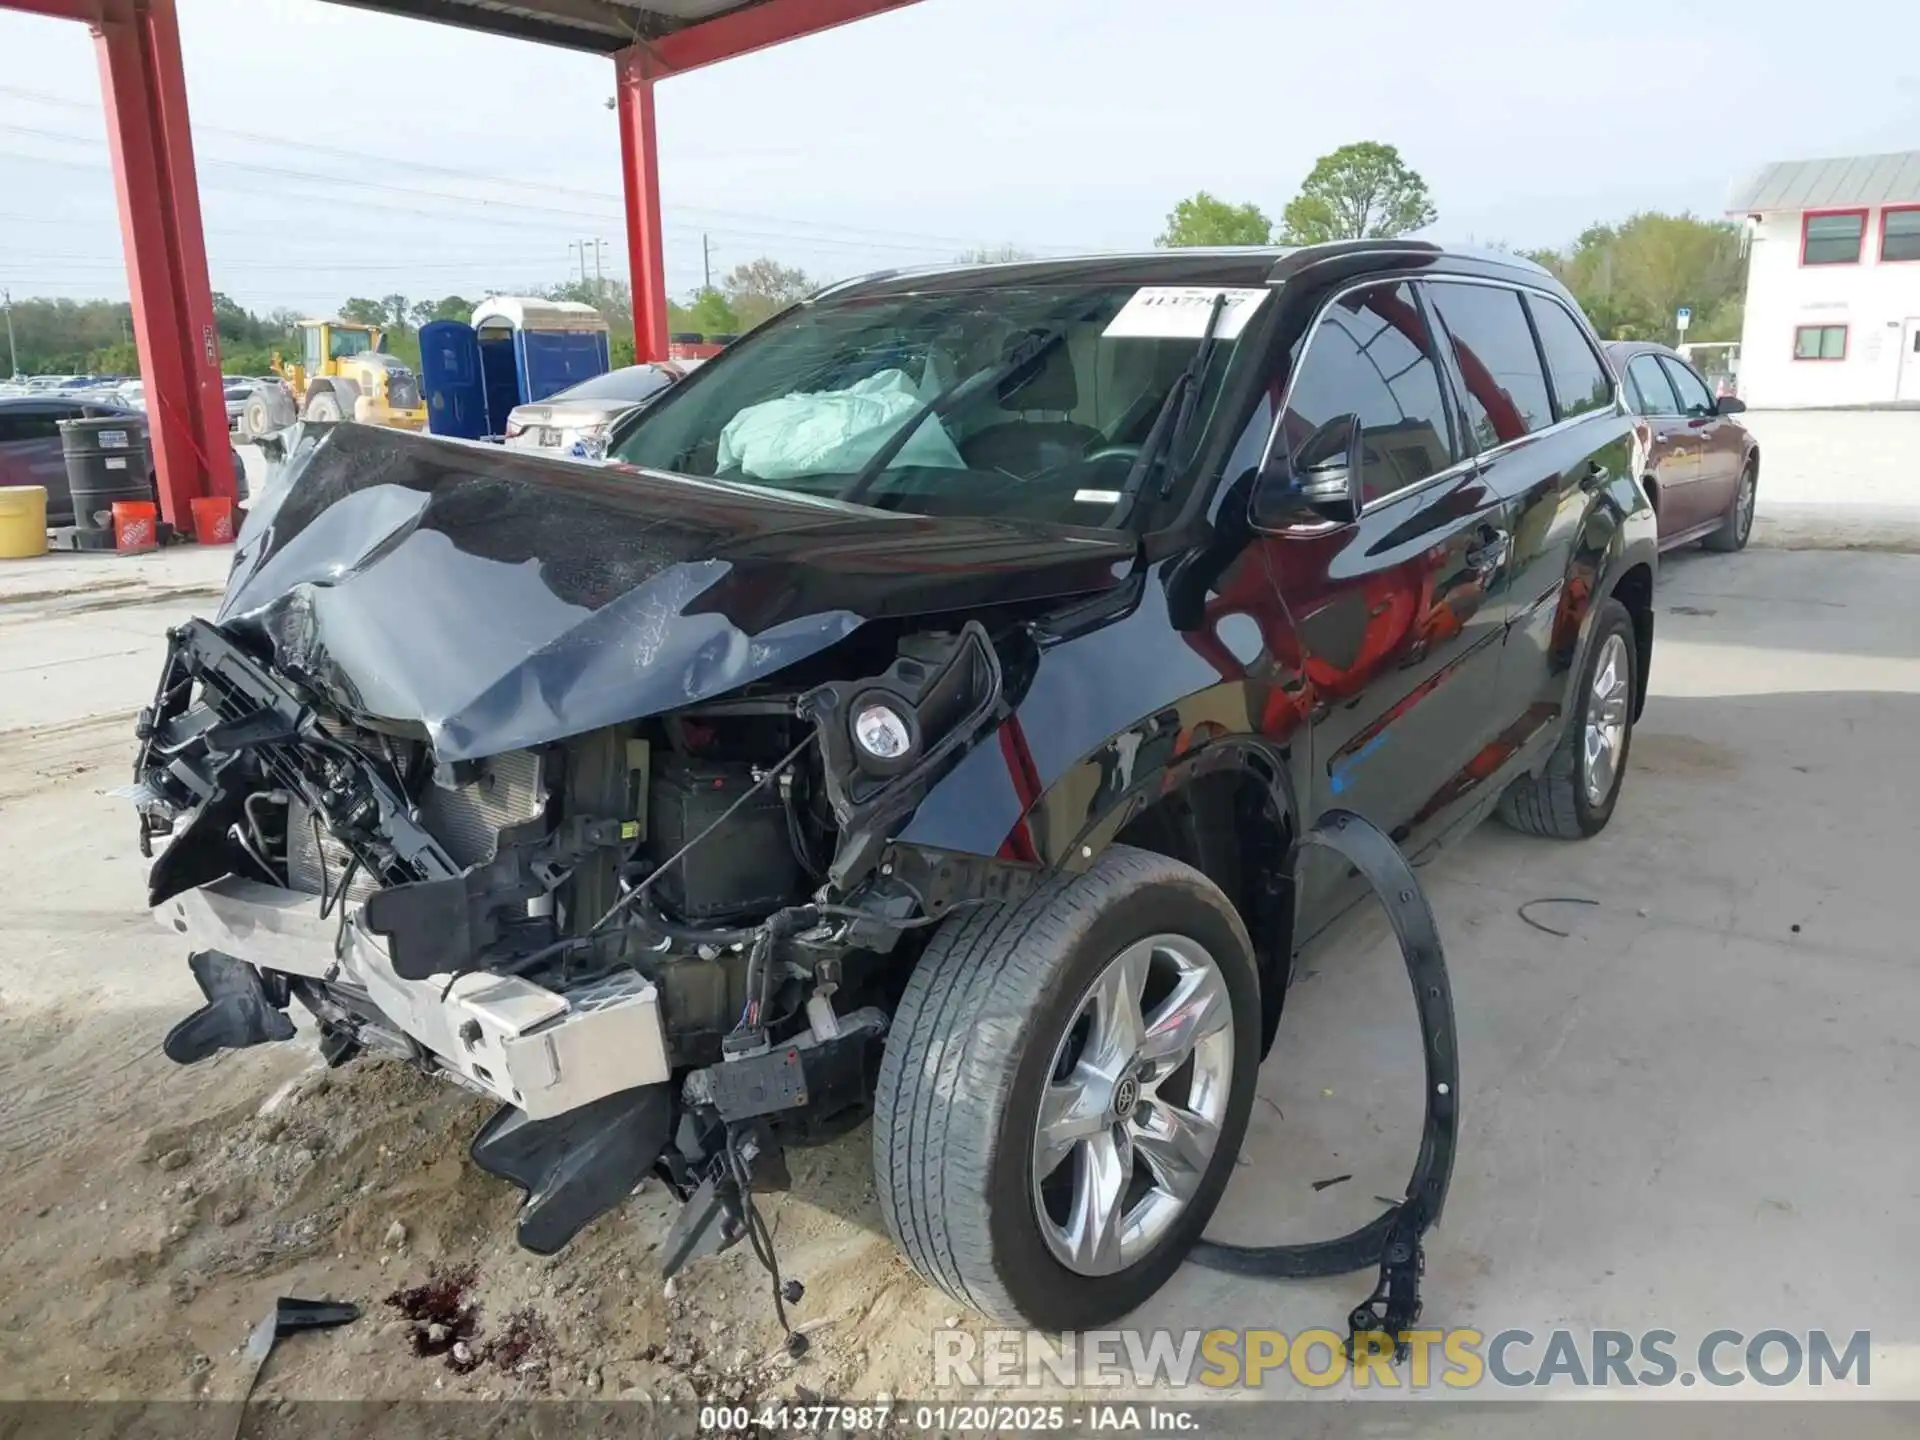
column 508, row 790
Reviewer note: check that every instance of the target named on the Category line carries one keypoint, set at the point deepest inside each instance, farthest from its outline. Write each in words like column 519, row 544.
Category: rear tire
column 1563, row 802
column 986, row 1032
column 1738, row 525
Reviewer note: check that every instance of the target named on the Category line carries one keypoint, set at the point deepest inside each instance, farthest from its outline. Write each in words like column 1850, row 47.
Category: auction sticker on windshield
column 1179, row 312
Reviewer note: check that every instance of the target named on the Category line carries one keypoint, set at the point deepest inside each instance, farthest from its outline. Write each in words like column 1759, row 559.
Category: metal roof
column 604, row 25
column 1855, row 180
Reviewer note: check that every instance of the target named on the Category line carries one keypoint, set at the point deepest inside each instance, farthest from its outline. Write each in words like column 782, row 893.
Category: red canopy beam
column 637, row 68
column 144, row 81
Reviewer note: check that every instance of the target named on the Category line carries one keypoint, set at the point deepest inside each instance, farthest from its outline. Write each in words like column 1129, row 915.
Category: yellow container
column 23, row 521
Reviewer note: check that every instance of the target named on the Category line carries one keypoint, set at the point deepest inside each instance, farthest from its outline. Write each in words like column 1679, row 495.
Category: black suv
column 917, row 716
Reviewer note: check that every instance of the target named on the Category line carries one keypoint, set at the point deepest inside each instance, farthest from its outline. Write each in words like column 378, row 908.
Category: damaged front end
column 663, row 942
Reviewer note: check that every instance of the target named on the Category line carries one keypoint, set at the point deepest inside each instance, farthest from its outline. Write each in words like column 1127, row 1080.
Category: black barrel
column 106, row 461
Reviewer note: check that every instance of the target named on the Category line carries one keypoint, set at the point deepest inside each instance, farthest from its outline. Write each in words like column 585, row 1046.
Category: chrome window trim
column 1472, row 461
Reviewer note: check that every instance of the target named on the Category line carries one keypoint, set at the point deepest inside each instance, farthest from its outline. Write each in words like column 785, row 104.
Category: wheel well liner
column 1227, row 824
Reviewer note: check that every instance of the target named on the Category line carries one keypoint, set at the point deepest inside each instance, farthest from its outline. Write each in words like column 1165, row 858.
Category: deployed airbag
column 833, row 432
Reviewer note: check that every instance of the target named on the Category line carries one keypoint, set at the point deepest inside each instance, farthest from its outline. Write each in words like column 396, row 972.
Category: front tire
column 1065, row 1087
column 1575, row 795
column 323, row 407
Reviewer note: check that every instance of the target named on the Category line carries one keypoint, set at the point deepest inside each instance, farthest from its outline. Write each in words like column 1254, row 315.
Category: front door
column 1672, row 462
column 1721, row 445
column 1909, row 383
column 451, row 380
column 1398, row 613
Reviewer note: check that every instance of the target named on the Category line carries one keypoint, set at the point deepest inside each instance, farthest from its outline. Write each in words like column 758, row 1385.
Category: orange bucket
column 136, row 525
column 213, row 519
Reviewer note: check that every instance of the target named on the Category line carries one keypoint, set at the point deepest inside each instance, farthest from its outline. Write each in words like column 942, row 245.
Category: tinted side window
column 1506, row 388
column 1695, row 399
column 1370, row 355
column 1652, row 394
column 1580, row 381
column 19, row 425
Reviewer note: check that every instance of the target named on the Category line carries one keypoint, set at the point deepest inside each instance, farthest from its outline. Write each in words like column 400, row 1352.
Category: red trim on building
column 1881, row 254
column 1810, row 215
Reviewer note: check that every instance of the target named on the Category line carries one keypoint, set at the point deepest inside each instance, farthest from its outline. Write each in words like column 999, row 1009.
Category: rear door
column 1509, row 348
column 451, row 380
column 1719, row 444
column 1672, row 462
column 1398, row 613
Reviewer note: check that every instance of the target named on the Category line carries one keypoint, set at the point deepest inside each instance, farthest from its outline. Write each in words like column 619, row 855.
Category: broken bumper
column 539, row 1050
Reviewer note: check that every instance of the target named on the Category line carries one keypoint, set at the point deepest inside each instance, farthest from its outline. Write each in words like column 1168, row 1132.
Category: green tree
column 1205, row 220
column 1363, row 191
column 1630, row 278
column 711, row 314
column 762, row 288
column 425, row 312
column 362, row 311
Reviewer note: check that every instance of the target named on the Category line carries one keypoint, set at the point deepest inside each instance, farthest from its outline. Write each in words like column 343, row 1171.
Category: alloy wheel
column 1134, row 1104
column 1606, row 723
column 1743, row 515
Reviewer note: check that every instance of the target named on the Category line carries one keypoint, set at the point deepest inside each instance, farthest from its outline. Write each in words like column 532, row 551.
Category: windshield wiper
column 1025, row 354
column 1170, row 424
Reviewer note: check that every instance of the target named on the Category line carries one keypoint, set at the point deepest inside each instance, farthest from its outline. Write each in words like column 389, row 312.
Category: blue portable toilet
column 517, row 351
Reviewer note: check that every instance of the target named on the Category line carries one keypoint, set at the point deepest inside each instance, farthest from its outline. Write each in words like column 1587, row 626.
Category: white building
column 1833, row 283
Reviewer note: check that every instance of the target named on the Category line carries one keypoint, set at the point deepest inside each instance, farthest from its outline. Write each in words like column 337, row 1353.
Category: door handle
column 1492, row 551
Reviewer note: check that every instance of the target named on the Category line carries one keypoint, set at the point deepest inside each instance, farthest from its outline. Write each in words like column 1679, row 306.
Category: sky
column 345, row 153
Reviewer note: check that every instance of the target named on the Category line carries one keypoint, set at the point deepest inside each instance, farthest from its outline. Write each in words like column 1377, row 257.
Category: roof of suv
column 1251, row 265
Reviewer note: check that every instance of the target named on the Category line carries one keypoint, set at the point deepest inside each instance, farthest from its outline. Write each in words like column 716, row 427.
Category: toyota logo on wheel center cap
column 1126, row 1095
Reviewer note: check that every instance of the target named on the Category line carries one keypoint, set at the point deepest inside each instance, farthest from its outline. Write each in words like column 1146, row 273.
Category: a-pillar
column 145, row 86
column 635, row 71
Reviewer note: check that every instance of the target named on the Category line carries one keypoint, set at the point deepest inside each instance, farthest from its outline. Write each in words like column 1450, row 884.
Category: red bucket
column 136, row 525
column 213, row 519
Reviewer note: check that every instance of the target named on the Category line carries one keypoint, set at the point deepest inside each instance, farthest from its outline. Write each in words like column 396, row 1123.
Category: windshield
column 342, row 343
column 626, row 386
column 1040, row 399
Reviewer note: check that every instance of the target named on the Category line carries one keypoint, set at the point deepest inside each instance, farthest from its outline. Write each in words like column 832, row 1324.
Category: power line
column 505, row 182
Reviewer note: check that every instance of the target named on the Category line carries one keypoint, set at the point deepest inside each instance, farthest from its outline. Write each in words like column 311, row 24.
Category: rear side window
column 1506, row 390
column 1371, row 356
column 1648, row 387
column 1580, row 382
column 18, row 425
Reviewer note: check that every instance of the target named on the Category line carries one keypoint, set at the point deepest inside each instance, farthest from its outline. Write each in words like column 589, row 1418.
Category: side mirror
column 1318, row 484
column 1729, row 405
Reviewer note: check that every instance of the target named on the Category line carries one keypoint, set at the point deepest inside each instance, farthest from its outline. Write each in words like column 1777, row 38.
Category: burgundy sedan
column 1701, row 466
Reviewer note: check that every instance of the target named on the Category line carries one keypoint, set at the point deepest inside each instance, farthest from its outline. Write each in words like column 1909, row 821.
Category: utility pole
column 13, row 355
column 599, row 272
column 706, row 259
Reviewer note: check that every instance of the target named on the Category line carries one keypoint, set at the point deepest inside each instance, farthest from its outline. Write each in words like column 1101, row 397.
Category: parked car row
column 30, row 445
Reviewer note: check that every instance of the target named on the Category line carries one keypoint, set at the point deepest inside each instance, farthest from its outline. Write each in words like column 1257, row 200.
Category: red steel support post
column 635, row 72
column 145, row 86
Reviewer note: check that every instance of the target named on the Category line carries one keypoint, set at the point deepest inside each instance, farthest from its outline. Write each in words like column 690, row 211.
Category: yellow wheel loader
column 343, row 373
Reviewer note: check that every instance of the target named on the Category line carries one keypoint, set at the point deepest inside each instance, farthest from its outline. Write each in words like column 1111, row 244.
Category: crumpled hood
column 503, row 599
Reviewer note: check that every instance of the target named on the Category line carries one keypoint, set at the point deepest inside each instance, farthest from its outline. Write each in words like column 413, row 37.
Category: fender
column 1617, row 533
column 1059, row 777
